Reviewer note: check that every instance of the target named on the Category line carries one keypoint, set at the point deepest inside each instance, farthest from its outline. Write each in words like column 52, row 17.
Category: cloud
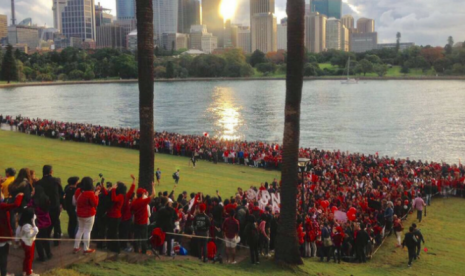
column 420, row 21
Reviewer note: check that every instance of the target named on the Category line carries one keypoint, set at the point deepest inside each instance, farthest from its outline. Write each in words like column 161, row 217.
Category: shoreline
column 54, row 83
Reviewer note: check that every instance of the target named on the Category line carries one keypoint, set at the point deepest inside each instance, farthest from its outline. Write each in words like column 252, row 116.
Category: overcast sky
column 420, row 21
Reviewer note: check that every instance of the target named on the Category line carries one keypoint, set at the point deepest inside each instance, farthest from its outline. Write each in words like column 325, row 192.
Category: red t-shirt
column 231, row 227
column 140, row 210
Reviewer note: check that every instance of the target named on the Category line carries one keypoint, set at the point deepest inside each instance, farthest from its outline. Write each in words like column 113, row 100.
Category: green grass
column 116, row 164
column 442, row 228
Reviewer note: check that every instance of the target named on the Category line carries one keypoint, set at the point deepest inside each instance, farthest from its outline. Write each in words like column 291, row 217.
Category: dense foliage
column 77, row 64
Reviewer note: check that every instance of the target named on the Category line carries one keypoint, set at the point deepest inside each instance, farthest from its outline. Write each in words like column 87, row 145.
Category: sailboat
column 349, row 80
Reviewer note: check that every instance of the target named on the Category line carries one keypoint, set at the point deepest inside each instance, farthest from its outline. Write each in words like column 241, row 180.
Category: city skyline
column 430, row 23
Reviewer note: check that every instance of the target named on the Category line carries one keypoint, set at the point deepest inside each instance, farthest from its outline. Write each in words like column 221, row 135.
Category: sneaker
column 89, row 251
column 76, row 250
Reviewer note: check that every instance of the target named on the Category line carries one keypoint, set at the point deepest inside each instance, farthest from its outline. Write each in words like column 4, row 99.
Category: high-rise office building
column 165, row 18
column 345, row 38
column 361, row 43
column 175, row 42
column 209, row 43
column 23, row 35
column 264, row 32
column 263, row 25
column 315, row 32
column 58, row 9
column 330, row 8
column 348, row 21
column 243, row 39
column 78, row 19
column 365, row 25
column 103, row 16
column 126, row 9
column 212, row 18
column 333, row 34
column 110, row 36
column 282, row 36
column 196, row 33
column 3, row 26
column 189, row 13
column 230, row 34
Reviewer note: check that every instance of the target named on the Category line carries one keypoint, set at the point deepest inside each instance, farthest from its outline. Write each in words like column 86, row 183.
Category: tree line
column 77, row 64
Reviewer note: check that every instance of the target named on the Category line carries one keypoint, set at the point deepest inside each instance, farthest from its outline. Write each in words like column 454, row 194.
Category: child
column 27, row 232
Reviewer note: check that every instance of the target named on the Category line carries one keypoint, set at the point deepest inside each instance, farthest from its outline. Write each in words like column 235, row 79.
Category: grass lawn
column 442, row 229
column 20, row 150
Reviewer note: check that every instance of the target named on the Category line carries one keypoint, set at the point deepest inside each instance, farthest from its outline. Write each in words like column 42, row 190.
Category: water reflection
column 226, row 114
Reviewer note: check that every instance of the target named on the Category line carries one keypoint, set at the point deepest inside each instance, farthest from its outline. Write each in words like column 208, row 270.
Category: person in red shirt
column 140, row 209
column 86, row 207
column 118, row 196
column 231, row 230
column 126, row 216
column 6, row 231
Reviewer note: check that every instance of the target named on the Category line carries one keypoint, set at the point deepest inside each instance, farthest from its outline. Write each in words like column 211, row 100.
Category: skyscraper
column 3, row 26
column 365, row 25
column 315, row 32
column 126, row 9
column 330, row 8
column 282, row 36
column 333, row 34
column 348, row 21
column 243, row 39
column 212, row 18
column 263, row 25
column 58, row 9
column 264, row 32
column 13, row 14
column 189, row 13
column 78, row 19
column 103, row 16
column 165, row 18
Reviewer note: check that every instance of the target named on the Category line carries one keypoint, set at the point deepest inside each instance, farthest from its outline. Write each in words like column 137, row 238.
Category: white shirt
column 27, row 234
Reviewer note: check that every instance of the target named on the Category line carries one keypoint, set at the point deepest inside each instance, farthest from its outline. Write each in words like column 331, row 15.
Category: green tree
column 287, row 246
column 9, row 70
column 170, row 70
column 145, row 67
column 76, row 75
column 17, row 54
column 312, row 69
column 257, row 57
column 398, row 37
column 266, row 68
column 450, row 44
column 441, row 65
column 458, row 69
column 160, row 72
column 373, row 59
column 364, row 66
column 89, row 75
column 405, row 70
column 380, row 69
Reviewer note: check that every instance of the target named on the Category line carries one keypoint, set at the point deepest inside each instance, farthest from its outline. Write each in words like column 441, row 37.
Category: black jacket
column 201, row 224
column 165, row 219
column 410, row 241
column 362, row 238
column 53, row 189
column 419, row 236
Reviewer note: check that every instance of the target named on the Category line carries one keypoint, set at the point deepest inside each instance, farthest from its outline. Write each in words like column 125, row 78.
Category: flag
column 205, row 134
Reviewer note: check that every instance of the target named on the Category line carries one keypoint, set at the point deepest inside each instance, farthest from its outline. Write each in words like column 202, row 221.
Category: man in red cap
column 140, row 209
column 201, row 226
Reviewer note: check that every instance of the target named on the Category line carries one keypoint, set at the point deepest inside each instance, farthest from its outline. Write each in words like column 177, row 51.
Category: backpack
column 174, row 175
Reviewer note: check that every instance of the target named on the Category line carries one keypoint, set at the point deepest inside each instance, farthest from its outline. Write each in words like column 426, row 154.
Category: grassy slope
column 442, row 228
column 76, row 159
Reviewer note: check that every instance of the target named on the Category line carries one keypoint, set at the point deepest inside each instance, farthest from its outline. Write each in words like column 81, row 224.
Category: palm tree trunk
column 145, row 62
column 287, row 246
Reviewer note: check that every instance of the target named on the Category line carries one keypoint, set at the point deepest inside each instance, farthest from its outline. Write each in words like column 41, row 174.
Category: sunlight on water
column 226, row 113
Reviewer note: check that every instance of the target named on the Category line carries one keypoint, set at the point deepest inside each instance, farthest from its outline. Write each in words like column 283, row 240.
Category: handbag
column 327, row 242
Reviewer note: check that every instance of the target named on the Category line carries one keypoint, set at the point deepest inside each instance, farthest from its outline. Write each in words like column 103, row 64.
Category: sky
column 425, row 22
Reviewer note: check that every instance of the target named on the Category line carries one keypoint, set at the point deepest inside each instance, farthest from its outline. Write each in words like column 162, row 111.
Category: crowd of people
column 347, row 204
column 257, row 154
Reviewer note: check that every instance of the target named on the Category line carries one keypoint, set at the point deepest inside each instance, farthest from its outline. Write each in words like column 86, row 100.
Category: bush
column 62, row 77
column 89, row 75
column 266, row 68
column 76, row 75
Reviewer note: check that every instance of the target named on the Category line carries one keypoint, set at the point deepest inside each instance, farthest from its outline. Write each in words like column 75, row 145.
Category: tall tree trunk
column 287, row 246
column 145, row 62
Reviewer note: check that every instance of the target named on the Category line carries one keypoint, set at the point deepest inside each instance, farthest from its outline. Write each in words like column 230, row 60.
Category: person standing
column 166, row 216
column 398, row 228
column 251, row 232
column 140, row 209
column 361, row 241
column 231, row 228
column 27, row 232
column 53, row 189
column 9, row 179
column 68, row 205
column 158, row 176
column 6, row 231
column 418, row 204
column 86, row 208
column 327, row 242
column 411, row 243
column 201, row 227
column 176, row 177
column 420, row 239
column 118, row 196
column 388, row 217
column 41, row 205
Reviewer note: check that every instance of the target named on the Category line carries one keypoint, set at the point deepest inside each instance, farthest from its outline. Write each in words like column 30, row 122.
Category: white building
column 345, row 38
column 264, row 32
column 315, row 32
column 165, row 18
column 243, row 39
column 333, row 34
column 282, row 36
column 209, row 43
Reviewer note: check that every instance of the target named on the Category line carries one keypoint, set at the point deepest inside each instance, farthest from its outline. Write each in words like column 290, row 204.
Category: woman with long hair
column 86, row 207
column 41, row 204
column 21, row 184
column 118, row 196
